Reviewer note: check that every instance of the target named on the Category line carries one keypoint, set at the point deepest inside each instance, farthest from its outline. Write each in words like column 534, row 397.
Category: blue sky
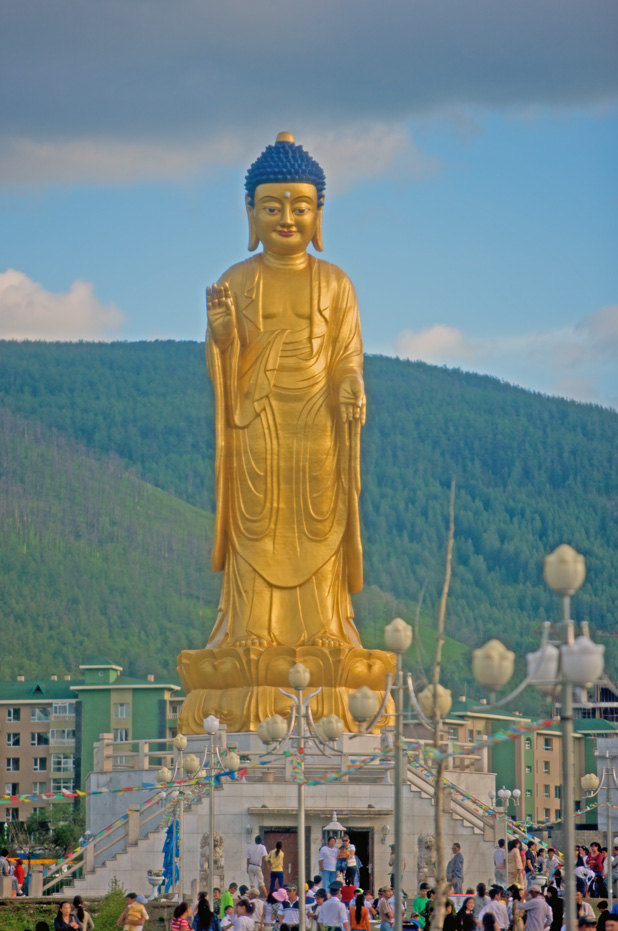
column 470, row 151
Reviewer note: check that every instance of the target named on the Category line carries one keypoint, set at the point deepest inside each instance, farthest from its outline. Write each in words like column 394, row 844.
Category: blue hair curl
column 285, row 161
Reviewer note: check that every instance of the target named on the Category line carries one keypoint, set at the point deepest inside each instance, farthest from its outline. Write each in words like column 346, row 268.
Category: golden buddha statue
column 285, row 355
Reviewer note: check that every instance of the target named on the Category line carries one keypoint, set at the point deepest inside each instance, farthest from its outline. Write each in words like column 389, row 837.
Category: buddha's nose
column 287, row 218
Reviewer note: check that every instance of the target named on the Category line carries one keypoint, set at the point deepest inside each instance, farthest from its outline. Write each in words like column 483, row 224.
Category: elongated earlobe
column 253, row 236
column 317, row 241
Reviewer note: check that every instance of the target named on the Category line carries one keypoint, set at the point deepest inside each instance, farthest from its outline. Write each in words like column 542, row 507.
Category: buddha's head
column 285, row 198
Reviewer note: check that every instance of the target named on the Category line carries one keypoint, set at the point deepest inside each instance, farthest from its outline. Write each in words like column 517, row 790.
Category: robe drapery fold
column 287, row 469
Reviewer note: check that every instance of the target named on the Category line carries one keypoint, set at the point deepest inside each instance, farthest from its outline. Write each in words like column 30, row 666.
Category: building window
column 546, row 767
column 11, row 788
column 121, row 734
column 528, row 769
column 12, row 740
column 62, row 785
column 39, row 788
column 61, row 763
column 39, row 739
column 547, row 814
column 453, row 732
column 528, row 793
column 39, row 764
column 13, row 714
column 546, row 791
column 11, row 814
column 558, row 813
column 12, row 764
column 548, row 743
column 470, row 736
column 557, row 791
column 61, row 736
column 40, row 714
column 528, row 817
column 528, row 743
column 122, row 709
column 63, row 709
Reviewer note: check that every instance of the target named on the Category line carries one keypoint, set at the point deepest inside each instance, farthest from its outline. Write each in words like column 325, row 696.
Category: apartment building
column 37, row 739
column 48, row 727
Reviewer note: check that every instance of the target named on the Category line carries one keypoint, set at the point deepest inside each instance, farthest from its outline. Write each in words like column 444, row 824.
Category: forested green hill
column 531, row 472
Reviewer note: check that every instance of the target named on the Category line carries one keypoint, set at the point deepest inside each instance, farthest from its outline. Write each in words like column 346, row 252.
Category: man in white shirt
column 333, row 913
column 584, row 909
column 327, row 858
column 497, row 908
column 258, row 907
column 500, row 863
column 538, row 913
column 256, row 852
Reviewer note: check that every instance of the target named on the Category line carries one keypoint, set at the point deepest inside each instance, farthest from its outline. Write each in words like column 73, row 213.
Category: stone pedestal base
column 240, row 685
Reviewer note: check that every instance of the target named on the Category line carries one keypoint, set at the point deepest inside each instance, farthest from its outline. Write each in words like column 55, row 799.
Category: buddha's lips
column 286, row 232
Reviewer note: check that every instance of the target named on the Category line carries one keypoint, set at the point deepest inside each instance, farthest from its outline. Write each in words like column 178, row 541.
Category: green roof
column 36, row 689
column 474, row 707
column 594, row 726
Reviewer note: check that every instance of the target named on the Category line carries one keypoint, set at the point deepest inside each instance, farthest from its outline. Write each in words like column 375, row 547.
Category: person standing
column 386, row 913
column 530, row 868
column 391, row 865
column 359, row 914
column 243, row 917
column 64, row 920
column 420, row 902
column 227, row 898
column 467, row 920
column 497, row 908
column 180, row 921
column 134, row 915
column 256, row 855
column 275, row 859
column 500, row 863
column 327, row 859
column 516, row 868
column 289, row 914
column 454, row 870
column 538, row 913
column 333, row 915
column 81, row 916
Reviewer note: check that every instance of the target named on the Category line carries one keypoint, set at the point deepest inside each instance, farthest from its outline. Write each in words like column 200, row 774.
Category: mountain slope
column 531, row 472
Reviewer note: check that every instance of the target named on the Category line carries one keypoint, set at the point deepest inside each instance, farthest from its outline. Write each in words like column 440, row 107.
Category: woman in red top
column 180, row 921
column 19, row 876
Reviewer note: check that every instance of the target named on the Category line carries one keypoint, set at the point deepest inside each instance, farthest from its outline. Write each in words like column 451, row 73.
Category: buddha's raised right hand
column 221, row 319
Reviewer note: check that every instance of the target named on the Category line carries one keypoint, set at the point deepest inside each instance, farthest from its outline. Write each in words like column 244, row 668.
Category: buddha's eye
column 301, row 210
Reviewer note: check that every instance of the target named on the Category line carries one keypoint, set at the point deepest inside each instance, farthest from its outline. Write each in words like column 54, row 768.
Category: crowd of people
column 527, row 895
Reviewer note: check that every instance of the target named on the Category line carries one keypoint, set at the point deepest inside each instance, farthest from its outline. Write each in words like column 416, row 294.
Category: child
column 228, row 918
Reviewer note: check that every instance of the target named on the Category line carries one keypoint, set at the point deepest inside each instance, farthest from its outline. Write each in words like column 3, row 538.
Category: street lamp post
column 364, row 709
column 211, row 726
column 299, row 677
column 275, row 730
column 578, row 662
column 190, row 765
column 592, row 785
column 505, row 796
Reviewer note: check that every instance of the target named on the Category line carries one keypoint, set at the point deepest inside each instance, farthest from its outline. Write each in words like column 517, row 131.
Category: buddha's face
column 285, row 216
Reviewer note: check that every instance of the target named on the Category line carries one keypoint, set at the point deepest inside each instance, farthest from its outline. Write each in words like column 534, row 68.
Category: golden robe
column 287, row 469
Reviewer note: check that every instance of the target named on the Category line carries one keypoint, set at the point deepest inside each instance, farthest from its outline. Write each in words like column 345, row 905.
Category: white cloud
column 439, row 344
column 576, row 361
column 28, row 311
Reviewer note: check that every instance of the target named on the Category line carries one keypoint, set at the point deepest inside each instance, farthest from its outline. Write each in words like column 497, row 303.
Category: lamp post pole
column 566, row 722
column 610, row 846
column 301, row 811
column 398, row 794
column 211, row 821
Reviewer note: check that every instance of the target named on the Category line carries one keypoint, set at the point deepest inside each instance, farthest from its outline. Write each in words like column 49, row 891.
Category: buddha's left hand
column 352, row 404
